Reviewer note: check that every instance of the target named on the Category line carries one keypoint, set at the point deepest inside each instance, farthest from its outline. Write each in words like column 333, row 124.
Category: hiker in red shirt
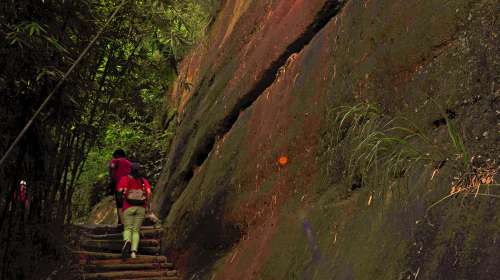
column 119, row 167
column 20, row 200
column 136, row 197
column 21, row 197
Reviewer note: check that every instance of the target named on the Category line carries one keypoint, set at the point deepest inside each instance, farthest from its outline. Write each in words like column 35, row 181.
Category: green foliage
column 373, row 151
column 457, row 141
column 113, row 98
column 379, row 150
column 118, row 135
column 142, row 144
column 455, row 137
column 141, row 51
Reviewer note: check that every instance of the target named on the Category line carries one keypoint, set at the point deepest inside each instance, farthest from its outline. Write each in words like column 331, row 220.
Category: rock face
column 104, row 212
column 265, row 84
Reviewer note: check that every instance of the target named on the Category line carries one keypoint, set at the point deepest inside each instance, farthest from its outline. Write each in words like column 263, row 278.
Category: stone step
column 160, row 260
column 117, row 248
column 154, row 278
column 110, row 229
column 117, row 243
column 125, row 266
column 93, row 257
column 99, row 256
column 147, row 233
column 130, row 274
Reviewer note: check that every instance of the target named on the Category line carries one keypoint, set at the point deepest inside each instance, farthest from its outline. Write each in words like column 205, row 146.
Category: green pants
column 133, row 218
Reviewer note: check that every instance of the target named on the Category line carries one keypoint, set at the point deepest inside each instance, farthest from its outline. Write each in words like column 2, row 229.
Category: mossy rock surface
column 234, row 212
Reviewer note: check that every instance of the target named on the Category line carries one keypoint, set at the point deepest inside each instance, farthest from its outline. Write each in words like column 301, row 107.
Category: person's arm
column 112, row 169
column 122, row 186
column 148, row 195
column 27, row 201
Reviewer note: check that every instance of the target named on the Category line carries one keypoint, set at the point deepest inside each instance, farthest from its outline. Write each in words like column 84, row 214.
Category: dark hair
column 119, row 153
column 135, row 170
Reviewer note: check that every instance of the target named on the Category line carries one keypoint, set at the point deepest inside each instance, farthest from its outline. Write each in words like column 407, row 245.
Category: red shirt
column 128, row 182
column 21, row 196
column 121, row 166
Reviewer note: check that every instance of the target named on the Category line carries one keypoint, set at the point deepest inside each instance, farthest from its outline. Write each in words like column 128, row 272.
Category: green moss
column 285, row 261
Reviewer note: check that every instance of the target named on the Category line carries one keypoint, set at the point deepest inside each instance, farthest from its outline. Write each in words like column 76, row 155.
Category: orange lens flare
column 283, row 160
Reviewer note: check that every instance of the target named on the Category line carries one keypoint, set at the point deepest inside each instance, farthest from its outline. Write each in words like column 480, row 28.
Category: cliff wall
column 281, row 81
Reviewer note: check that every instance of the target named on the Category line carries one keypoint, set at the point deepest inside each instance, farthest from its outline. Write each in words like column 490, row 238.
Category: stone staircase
column 98, row 255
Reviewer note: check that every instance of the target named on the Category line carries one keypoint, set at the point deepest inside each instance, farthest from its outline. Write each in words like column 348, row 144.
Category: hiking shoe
column 133, row 255
column 126, row 249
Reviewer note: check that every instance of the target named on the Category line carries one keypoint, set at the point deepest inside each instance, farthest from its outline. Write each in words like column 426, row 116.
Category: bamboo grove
column 122, row 79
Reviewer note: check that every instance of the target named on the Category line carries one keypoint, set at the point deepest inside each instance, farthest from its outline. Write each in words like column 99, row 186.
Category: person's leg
column 111, row 187
column 119, row 207
column 129, row 223
column 127, row 230
column 120, row 215
column 138, row 219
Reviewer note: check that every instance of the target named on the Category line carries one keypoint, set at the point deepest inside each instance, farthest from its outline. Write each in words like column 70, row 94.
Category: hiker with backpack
column 119, row 167
column 136, row 192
